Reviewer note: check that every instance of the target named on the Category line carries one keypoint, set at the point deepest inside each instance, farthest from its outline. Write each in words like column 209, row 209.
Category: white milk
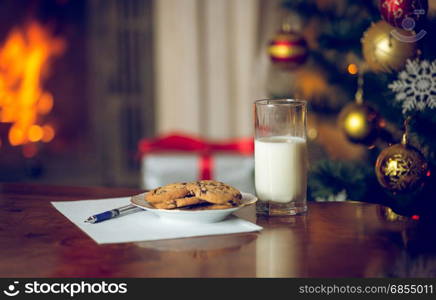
column 280, row 169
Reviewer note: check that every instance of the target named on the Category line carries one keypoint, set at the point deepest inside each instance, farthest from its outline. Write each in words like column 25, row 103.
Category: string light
column 352, row 69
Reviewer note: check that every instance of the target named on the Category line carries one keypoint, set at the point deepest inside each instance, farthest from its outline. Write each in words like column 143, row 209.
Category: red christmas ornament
column 288, row 49
column 404, row 14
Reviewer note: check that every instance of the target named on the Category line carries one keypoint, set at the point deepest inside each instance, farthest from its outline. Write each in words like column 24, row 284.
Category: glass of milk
column 280, row 155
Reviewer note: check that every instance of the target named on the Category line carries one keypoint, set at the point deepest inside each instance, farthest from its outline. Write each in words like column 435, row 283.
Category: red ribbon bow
column 184, row 143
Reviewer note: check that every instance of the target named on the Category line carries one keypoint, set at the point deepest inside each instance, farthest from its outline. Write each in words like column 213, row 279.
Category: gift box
column 178, row 157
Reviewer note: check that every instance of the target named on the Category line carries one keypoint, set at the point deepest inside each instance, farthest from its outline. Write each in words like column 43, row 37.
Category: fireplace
column 25, row 105
column 76, row 90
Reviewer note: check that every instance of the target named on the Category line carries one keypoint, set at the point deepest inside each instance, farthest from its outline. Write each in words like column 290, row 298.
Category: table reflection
column 280, row 249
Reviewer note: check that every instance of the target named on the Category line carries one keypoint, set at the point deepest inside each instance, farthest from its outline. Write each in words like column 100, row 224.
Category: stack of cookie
column 196, row 195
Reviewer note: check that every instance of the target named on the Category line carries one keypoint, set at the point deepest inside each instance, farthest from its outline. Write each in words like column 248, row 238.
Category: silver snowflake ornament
column 416, row 86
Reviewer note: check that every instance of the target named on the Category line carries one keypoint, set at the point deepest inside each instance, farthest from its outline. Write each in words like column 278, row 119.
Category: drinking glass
column 280, row 154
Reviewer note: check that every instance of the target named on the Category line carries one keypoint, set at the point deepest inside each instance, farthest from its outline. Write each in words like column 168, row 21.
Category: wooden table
column 332, row 240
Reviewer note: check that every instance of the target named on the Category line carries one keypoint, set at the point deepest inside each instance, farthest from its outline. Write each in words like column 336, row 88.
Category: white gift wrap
column 161, row 169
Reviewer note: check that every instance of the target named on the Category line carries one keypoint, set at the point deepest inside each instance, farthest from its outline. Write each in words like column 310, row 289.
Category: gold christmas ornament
column 385, row 50
column 401, row 168
column 288, row 49
column 360, row 122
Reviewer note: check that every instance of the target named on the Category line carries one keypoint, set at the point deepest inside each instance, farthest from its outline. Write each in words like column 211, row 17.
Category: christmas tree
column 371, row 66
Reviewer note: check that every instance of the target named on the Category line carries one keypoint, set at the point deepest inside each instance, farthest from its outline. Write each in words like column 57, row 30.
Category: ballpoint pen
column 110, row 214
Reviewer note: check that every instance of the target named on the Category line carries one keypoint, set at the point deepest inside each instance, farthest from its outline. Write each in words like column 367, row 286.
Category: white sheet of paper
column 141, row 226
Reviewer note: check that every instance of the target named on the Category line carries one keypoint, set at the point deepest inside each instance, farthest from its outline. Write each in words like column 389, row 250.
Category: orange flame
column 24, row 61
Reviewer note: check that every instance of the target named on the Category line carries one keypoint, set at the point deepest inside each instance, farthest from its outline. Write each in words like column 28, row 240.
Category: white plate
column 193, row 216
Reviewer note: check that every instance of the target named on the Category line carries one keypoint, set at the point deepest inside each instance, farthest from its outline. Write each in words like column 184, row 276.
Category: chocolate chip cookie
column 178, row 203
column 202, row 195
column 215, row 192
column 167, row 193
